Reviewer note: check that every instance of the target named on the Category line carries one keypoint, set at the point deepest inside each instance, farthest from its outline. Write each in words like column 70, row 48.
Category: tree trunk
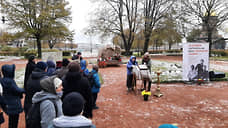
column 209, row 38
column 170, row 46
column 146, row 44
column 38, row 41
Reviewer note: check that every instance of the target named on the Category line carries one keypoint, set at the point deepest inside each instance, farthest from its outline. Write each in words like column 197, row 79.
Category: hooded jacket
column 11, row 92
column 96, row 87
column 75, row 82
column 129, row 65
column 47, row 108
column 83, row 67
column 29, row 68
column 72, row 122
column 51, row 67
column 33, row 86
column 61, row 73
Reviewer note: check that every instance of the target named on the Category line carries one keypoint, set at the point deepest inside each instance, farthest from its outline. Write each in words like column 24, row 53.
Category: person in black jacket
column 75, row 82
column 33, row 84
column 31, row 65
column 12, row 95
column 2, row 103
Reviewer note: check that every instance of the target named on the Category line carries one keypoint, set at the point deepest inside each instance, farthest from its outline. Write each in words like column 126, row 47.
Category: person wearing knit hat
column 51, row 67
column 72, row 107
column 33, row 84
column 49, row 99
column 41, row 65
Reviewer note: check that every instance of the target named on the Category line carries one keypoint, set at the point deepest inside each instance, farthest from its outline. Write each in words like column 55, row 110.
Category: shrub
column 50, row 50
column 30, row 52
column 220, row 52
column 66, row 53
column 125, row 53
column 174, row 51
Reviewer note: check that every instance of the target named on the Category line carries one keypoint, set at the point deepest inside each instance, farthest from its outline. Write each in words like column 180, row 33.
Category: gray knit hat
column 50, row 84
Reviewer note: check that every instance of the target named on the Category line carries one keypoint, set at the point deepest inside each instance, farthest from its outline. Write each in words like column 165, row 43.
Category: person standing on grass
column 12, row 95
column 95, row 85
column 132, row 62
column 30, row 66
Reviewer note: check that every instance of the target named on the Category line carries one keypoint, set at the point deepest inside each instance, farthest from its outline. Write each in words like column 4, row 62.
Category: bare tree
column 154, row 11
column 210, row 14
column 118, row 17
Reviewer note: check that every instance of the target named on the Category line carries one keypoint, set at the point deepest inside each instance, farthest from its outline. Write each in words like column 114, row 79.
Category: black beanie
column 65, row 62
column 31, row 58
column 73, row 104
column 41, row 65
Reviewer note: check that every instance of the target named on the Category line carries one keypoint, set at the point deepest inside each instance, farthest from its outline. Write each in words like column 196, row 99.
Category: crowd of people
column 54, row 98
column 57, row 97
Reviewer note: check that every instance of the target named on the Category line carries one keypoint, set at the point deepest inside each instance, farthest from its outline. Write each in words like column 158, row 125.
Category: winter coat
column 84, row 68
column 61, row 73
column 75, row 82
column 51, row 68
column 2, row 101
column 47, row 108
column 28, row 70
column 75, row 57
column 129, row 65
column 12, row 94
column 33, row 86
column 97, row 85
column 147, row 61
column 72, row 122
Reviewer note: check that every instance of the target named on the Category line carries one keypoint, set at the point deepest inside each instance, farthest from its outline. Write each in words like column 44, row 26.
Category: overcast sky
column 80, row 19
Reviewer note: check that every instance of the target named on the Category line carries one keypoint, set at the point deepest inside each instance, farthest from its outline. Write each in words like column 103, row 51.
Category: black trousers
column 13, row 121
column 130, row 81
column 149, row 85
column 94, row 99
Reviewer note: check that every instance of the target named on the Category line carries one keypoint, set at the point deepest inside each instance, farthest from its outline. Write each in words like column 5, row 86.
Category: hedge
column 219, row 52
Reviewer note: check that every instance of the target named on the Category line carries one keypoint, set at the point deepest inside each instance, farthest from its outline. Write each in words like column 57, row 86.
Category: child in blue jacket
column 96, row 85
column 130, row 65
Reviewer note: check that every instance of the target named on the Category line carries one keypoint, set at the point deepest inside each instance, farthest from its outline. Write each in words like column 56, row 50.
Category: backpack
column 33, row 117
column 91, row 79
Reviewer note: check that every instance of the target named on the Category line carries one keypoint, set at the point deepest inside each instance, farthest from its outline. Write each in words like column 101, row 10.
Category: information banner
column 195, row 61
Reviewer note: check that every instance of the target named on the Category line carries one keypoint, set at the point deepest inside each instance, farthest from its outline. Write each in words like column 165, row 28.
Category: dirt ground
column 189, row 106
